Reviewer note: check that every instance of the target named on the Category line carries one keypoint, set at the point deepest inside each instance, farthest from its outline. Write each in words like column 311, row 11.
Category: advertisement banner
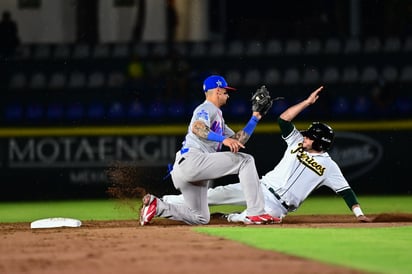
column 44, row 167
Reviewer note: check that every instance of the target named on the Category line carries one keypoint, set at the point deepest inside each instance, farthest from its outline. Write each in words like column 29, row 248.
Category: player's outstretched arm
column 290, row 113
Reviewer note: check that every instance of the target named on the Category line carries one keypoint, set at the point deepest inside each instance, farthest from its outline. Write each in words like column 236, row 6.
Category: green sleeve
column 349, row 196
column 286, row 127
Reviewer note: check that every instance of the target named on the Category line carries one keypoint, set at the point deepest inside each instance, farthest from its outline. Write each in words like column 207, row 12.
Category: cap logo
column 219, row 83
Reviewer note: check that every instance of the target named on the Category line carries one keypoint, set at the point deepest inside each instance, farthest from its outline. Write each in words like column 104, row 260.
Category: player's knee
column 249, row 158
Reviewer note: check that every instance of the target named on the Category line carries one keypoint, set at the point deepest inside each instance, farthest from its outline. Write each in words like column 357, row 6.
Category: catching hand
column 261, row 101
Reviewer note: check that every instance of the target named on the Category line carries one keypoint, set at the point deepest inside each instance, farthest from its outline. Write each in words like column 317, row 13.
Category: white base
column 55, row 222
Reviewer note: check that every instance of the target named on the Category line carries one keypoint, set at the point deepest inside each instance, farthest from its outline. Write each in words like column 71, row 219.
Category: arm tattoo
column 200, row 129
column 241, row 136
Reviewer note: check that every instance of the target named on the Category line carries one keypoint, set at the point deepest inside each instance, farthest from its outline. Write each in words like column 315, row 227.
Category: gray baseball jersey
column 199, row 161
column 286, row 186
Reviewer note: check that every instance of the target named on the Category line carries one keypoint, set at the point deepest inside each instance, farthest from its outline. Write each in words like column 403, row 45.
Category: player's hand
column 363, row 219
column 233, row 144
column 314, row 96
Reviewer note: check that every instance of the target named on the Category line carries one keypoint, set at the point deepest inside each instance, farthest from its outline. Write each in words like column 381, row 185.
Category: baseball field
column 322, row 237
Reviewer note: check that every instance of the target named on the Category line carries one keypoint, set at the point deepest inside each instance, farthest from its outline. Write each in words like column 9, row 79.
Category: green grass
column 82, row 210
column 115, row 210
column 378, row 250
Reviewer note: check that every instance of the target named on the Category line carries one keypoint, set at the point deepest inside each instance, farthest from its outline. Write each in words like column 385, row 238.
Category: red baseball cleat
column 148, row 210
column 262, row 219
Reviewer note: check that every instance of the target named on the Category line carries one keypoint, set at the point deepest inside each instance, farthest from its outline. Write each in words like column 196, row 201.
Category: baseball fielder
column 305, row 166
column 200, row 160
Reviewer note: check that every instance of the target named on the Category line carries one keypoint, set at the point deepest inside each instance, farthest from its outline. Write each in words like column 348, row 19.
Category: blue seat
column 176, row 109
column 96, row 111
column 14, row 112
column 55, row 111
column 157, row 109
column 116, row 111
column 34, row 111
column 136, row 110
column 341, row 106
column 75, row 111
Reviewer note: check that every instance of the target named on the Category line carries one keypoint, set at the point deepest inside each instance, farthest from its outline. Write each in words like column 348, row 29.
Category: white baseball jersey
column 299, row 173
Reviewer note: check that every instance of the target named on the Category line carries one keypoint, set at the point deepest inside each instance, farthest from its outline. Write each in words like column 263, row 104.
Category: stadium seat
column 96, row 111
column 120, row 50
column 14, row 112
column 181, row 48
column 136, row 110
column 352, row 46
column 55, row 111
column 252, row 77
column 332, row 46
column 272, row 76
column 141, row 50
column 291, row 76
column 310, row 76
column 234, row 77
column 96, row 80
column 115, row 79
column 254, row 48
column 159, row 49
column 34, row 111
column 273, row 47
column 101, row 51
column 330, row 75
column 407, row 44
column 38, row 80
column 42, row 51
column 116, row 111
column 74, row 111
column 235, row 48
column 350, row 75
column 369, row 75
column 62, row 51
column 198, row 49
column 216, row 49
column 392, row 44
column 81, row 51
column 372, row 45
column 57, row 80
column 18, row 80
column 313, row 46
column 77, row 79
column 390, row 74
column 406, row 74
column 293, row 47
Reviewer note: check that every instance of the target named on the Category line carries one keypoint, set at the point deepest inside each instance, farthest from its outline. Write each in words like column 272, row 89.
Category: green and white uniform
column 292, row 180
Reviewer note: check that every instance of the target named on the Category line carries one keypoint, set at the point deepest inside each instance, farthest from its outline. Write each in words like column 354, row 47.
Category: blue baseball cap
column 215, row 81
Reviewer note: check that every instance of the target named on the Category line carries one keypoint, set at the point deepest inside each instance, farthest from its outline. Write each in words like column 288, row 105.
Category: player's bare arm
column 293, row 111
column 200, row 129
column 241, row 136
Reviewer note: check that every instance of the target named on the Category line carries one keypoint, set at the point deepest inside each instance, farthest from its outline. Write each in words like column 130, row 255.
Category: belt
column 283, row 203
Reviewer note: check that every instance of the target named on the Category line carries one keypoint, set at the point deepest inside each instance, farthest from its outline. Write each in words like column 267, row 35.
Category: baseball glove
column 261, row 101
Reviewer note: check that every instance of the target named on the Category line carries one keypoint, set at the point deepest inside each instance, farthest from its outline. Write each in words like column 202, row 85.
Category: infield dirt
column 164, row 246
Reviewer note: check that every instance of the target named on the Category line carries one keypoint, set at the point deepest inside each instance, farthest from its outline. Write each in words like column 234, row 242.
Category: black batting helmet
column 321, row 134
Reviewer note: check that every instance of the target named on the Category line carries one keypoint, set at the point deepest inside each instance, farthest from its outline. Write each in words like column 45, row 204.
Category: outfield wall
column 53, row 163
